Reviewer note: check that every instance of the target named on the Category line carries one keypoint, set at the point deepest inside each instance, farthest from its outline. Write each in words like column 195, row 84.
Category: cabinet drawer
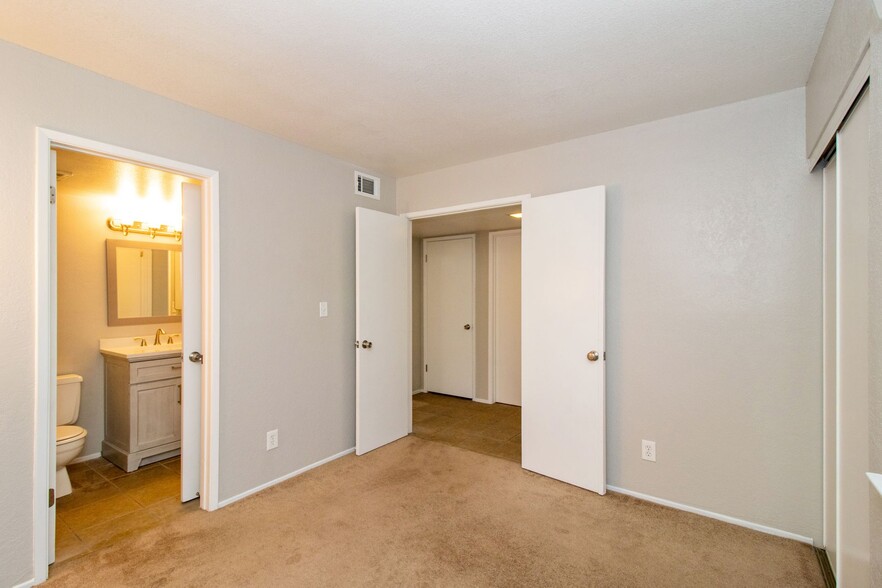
column 156, row 369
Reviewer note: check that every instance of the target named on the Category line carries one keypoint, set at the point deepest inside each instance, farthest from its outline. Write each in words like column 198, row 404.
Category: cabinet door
column 158, row 413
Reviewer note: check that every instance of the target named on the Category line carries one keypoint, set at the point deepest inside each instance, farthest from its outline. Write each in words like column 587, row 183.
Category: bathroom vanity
column 142, row 404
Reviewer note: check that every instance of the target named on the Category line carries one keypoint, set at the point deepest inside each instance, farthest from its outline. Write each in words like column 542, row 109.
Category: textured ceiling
column 404, row 87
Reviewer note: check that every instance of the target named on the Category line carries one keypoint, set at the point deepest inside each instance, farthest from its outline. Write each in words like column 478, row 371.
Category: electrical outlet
column 647, row 450
column 272, row 439
column 323, row 309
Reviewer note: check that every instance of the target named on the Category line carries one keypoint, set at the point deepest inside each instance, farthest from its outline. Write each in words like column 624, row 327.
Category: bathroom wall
column 287, row 242
column 82, row 298
column 713, row 301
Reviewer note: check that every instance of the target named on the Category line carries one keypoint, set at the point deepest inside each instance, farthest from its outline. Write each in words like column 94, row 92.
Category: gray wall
column 287, row 242
column 713, row 299
column 849, row 28
column 82, row 301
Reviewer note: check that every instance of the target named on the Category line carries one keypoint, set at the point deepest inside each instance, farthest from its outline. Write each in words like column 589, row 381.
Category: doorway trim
column 425, row 302
column 491, row 312
column 46, row 331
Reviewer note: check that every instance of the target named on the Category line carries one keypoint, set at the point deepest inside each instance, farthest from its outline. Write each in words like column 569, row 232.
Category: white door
column 505, row 250
column 563, row 410
column 382, row 329
column 191, row 328
column 852, row 358
column 449, row 292
column 53, row 344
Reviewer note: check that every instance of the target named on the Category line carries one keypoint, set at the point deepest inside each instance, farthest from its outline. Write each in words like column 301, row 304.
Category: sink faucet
column 142, row 340
column 158, row 339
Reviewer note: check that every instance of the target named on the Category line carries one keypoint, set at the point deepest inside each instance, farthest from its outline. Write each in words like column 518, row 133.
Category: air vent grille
column 366, row 185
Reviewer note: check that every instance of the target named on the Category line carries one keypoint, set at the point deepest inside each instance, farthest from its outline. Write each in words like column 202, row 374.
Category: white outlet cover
column 323, row 309
column 647, row 450
column 272, row 439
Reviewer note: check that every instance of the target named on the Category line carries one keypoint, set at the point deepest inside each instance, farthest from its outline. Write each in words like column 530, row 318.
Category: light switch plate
column 323, row 309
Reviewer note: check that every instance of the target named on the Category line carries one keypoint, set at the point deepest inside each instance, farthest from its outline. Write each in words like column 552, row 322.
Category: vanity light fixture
column 141, row 229
column 516, row 215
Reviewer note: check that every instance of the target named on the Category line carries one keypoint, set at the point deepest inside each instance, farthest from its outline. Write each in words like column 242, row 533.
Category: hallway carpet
column 422, row 513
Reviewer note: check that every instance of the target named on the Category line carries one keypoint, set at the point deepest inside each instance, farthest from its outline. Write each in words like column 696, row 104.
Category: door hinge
column 51, row 497
column 427, row 259
column 51, row 194
column 604, row 356
column 427, row 367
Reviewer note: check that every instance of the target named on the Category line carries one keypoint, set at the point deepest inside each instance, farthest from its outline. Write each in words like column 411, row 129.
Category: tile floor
column 491, row 429
column 107, row 504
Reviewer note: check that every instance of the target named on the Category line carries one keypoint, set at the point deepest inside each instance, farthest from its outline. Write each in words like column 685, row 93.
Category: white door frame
column 491, row 312
column 46, row 331
column 444, row 211
column 472, row 238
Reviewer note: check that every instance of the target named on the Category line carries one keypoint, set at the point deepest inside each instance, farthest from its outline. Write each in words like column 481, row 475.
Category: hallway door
column 449, row 292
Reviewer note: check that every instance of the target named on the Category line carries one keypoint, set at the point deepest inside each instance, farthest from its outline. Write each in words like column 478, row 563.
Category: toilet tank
column 68, row 405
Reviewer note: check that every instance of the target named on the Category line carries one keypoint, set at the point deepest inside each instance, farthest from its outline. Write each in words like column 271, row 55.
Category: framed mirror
column 143, row 283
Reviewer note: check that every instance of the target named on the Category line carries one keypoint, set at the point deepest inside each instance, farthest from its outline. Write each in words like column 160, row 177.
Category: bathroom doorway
column 143, row 280
column 474, row 256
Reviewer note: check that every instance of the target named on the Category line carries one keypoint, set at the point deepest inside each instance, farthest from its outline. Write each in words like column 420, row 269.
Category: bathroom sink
column 126, row 348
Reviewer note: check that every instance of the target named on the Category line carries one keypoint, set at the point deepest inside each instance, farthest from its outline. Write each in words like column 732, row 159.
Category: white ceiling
column 403, row 87
column 494, row 219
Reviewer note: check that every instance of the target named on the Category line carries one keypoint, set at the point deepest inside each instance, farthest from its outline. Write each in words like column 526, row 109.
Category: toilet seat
column 65, row 434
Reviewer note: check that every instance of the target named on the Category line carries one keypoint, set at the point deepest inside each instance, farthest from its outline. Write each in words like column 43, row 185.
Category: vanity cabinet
column 142, row 410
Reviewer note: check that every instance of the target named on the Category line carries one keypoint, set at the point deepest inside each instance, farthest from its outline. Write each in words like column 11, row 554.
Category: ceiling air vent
column 366, row 185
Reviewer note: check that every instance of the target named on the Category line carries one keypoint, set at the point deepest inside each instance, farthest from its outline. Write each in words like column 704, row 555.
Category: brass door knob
column 366, row 344
column 467, row 327
column 593, row 356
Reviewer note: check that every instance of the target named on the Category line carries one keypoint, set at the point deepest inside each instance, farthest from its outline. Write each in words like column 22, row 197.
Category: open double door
column 562, row 352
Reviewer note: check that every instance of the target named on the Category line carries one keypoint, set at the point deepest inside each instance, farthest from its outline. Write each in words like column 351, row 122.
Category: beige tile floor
column 491, row 429
column 107, row 504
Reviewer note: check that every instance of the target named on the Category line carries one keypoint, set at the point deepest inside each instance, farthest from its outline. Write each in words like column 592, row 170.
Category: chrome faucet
column 158, row 339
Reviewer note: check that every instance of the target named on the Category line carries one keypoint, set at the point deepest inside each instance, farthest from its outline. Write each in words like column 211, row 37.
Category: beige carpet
column 421, row 513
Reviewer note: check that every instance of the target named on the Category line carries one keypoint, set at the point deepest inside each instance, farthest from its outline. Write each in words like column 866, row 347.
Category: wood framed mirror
column 143, row 283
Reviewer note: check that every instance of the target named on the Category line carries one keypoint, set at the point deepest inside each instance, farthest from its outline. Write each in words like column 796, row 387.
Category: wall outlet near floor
column 272, row 439
column 323, row 309
column 647, row 450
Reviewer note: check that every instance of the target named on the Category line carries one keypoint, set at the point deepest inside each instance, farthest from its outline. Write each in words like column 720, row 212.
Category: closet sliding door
column 852, row 492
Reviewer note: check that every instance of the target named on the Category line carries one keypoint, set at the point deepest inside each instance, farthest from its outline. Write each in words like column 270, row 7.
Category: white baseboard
column 482, row 400
column 302, row 470
column 89, row 457
column 419, row 391
column 714, row 515
column 26, row 584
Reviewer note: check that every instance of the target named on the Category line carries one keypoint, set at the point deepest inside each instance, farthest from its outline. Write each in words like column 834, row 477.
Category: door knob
column 366, row 344
column 467, row 327
column 196, row 357
column 593, row 356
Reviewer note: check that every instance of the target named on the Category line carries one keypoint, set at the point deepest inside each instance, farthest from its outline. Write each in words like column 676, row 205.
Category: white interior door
column 852, row 357
column 191, row 328
column 506, row 308
column 382, row 329
column 563, row 391
column 449, row 292
column 53, row 346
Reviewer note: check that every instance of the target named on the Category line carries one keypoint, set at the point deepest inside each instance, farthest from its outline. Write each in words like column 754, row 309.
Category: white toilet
column 69, row 438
